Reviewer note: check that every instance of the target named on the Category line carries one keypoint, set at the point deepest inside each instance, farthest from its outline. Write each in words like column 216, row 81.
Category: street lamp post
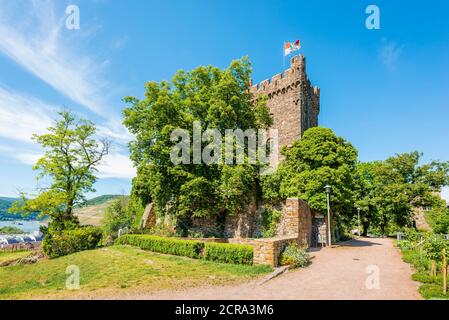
column 358, row 219
column 328, row 189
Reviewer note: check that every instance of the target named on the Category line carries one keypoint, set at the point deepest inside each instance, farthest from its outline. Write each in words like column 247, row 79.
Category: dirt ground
column 368, row 268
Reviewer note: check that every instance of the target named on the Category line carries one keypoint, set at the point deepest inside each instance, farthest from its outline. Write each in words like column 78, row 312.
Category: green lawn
column 12, row 255
column 110, row 271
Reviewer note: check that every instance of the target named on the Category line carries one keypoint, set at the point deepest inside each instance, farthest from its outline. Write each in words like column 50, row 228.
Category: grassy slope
column 9, row 256
column 100, row 199
column 111, row 271
column 92, row 214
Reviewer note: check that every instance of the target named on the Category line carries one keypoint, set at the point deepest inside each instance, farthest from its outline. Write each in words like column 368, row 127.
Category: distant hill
column 100, row 200
column 5, row 204
column 93, row 213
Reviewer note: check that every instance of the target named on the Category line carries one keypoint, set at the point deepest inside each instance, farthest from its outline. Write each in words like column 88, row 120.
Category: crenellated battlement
column 282, row 81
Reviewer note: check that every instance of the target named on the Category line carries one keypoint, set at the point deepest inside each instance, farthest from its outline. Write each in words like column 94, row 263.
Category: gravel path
column 346, row 271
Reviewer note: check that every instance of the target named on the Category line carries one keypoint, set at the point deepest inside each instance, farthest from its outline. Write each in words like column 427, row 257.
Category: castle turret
column 293, row 102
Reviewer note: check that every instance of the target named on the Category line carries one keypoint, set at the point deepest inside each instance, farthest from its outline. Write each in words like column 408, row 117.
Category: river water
column 27, row 226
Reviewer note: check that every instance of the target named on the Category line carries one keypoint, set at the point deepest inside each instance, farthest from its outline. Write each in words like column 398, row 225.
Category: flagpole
column 283, row 58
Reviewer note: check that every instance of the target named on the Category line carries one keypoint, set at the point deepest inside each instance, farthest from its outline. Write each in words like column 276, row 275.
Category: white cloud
column 17, row 153
column 28, row 158
column 22, row 115
column 34, row 42
column 117, row 165
column 389, row 53
column 114, row 165
column 115, row 130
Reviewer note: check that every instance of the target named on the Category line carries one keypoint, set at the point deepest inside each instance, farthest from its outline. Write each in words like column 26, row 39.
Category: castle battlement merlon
column 294, row 75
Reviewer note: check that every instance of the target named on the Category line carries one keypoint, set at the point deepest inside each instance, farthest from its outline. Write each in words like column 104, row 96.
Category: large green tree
column 67, row 170
column 214, row 99
column 389, row 191
column 438, row 217
column 364, row 194
column 318, row 159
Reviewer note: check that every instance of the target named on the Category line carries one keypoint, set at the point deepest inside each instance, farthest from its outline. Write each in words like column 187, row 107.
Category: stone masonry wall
column 296, row 221
column 295, row 227
column 419, row 216
column 239, row 225
column 149, row 217
column 268, row 250
column 207, row 226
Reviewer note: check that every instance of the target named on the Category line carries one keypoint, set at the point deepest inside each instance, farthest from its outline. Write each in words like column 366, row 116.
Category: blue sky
column 386, row 90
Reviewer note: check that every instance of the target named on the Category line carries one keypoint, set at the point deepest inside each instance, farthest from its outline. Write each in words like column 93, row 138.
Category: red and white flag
column 290, row 47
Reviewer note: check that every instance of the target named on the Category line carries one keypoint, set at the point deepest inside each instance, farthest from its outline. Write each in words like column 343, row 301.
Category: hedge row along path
column 340, row 272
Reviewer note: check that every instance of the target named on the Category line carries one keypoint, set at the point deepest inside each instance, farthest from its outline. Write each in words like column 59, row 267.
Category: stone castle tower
column 293, row 102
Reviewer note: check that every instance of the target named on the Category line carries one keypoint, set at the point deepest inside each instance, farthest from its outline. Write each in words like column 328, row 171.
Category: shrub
column 187, row 248
column 136, row 209
column 433, row 291
column 162, row 230
column 11, row 230
column 417, row 259
column 69, row 241
column 229, row 253
column 424, row 277
column 270, row 220
column 412, row 235
column 116, row 217
column 403, row 245
column 296, row 257
column 438, row 218
column 434, row 247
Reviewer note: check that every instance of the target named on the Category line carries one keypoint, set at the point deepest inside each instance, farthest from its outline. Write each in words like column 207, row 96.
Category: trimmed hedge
column 187, row 248
column 229, row 253
column 217, row 252
column 70, row 241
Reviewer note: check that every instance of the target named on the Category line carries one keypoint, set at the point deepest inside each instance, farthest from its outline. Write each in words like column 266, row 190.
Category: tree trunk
column 434, row 268
column 383, row 225
column 444, row 272
column 382, row 229
column 69, row 210
column 365, row 228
